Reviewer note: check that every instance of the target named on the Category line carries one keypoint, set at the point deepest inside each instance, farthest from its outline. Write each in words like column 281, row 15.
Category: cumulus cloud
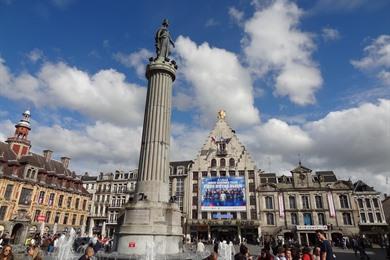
column 274, row 44
column 136, row 60
column 218, row 80
column 236, row 14
column 376, row 58
column 104, row 95
column 330, row 34
column 35, row 55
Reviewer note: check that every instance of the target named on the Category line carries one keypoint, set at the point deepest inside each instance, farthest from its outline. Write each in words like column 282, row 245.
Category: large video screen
column 223, row 194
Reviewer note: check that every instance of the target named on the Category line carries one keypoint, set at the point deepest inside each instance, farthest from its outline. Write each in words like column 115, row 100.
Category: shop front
column 306, row 234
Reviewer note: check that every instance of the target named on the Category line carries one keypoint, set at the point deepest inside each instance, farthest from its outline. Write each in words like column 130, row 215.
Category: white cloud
column 330, row 34
column 219, row 81
column 236, row 14
column 211, row 22
column 103, row 96
column 376, row 59
column 35, row 55
column 136, row 60
column 274, row 44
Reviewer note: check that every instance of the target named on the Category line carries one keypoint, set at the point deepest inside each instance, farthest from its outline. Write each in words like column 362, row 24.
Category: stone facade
column 371, row 214
column 36, row 189
column 296, row 206
column 222, row 156
column 110, row 192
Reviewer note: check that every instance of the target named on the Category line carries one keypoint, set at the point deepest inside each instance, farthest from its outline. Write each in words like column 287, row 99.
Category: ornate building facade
column 220, row 191
column 296, row 206
column 111, row 191
column 36, row 190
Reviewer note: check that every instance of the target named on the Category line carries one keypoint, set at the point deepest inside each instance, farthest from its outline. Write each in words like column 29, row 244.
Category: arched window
column 213, row 163
column 33, row 174
column 222, row 162
column 231, row 162
column 28, row 173
column 270, row 219
column 344, row 201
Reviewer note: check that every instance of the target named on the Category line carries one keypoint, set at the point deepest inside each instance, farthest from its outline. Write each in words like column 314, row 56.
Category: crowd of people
column 38, row 246
column 291, row 250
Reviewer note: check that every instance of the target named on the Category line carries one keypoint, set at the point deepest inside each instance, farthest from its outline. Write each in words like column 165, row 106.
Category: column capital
column 165, row 66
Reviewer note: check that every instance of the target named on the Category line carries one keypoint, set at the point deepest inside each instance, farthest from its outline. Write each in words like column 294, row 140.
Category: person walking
column 326, row 251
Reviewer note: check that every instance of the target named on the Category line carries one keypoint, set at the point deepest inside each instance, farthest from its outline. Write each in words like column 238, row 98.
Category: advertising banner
column 223, row 194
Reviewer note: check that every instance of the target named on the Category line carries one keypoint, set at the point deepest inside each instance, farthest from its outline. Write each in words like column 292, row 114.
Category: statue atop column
column 163, row 41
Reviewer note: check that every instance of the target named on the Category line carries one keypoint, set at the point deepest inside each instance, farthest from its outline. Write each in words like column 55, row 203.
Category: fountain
column 65, row 248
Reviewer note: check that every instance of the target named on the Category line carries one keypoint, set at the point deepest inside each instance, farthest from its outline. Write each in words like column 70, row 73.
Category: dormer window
column 31, row 173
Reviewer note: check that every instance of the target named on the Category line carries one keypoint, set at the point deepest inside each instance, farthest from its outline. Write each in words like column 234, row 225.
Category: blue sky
column 295, row 77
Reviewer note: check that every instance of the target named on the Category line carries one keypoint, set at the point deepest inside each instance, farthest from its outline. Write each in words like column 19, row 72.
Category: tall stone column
column 153, row 170
column 151, row 221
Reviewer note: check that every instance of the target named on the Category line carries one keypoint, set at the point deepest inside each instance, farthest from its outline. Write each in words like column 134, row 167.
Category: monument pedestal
column 149, row 225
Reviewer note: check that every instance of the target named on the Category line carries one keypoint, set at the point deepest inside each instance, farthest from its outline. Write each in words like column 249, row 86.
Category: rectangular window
column 292, row 202
column 47, row 216
column 37, row 213
column 60, row 200
column 232, row 173
column 57, row 217
column 378, row 217
column 77, row 203
column 84, row 204
column 347, row 219
column 270, row 219
column 307, row 219
column 253, row 214
column 305, row 202
column 51, row 199
column 294, row 219
column 269, row 203
column 252, row 187
column 243, row 216
column 195, row 201
column 3, row 212
column 204, row 215
column 41, row 197
column 8, row 192
column 368, row 203
column 213, row 173
column 360, row 203
column 69, row 202
column 321, row 219
column 81, row 220
column 376, row 204
column 319, row 204
column 252, row 200
column 74, row 219
column 66, row 216
column 194, row 214
column 204, row 174
column 195, row 175
column 241, row 173
column 371, row 217
column 363, row 217
column 195, row 187
column 25, row 196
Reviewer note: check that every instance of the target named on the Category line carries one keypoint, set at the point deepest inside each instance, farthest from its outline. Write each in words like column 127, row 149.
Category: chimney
column 47, row 154
column 65, row 161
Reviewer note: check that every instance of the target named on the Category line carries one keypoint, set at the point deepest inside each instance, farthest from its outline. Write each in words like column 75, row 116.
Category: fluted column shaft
column 153, row 170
